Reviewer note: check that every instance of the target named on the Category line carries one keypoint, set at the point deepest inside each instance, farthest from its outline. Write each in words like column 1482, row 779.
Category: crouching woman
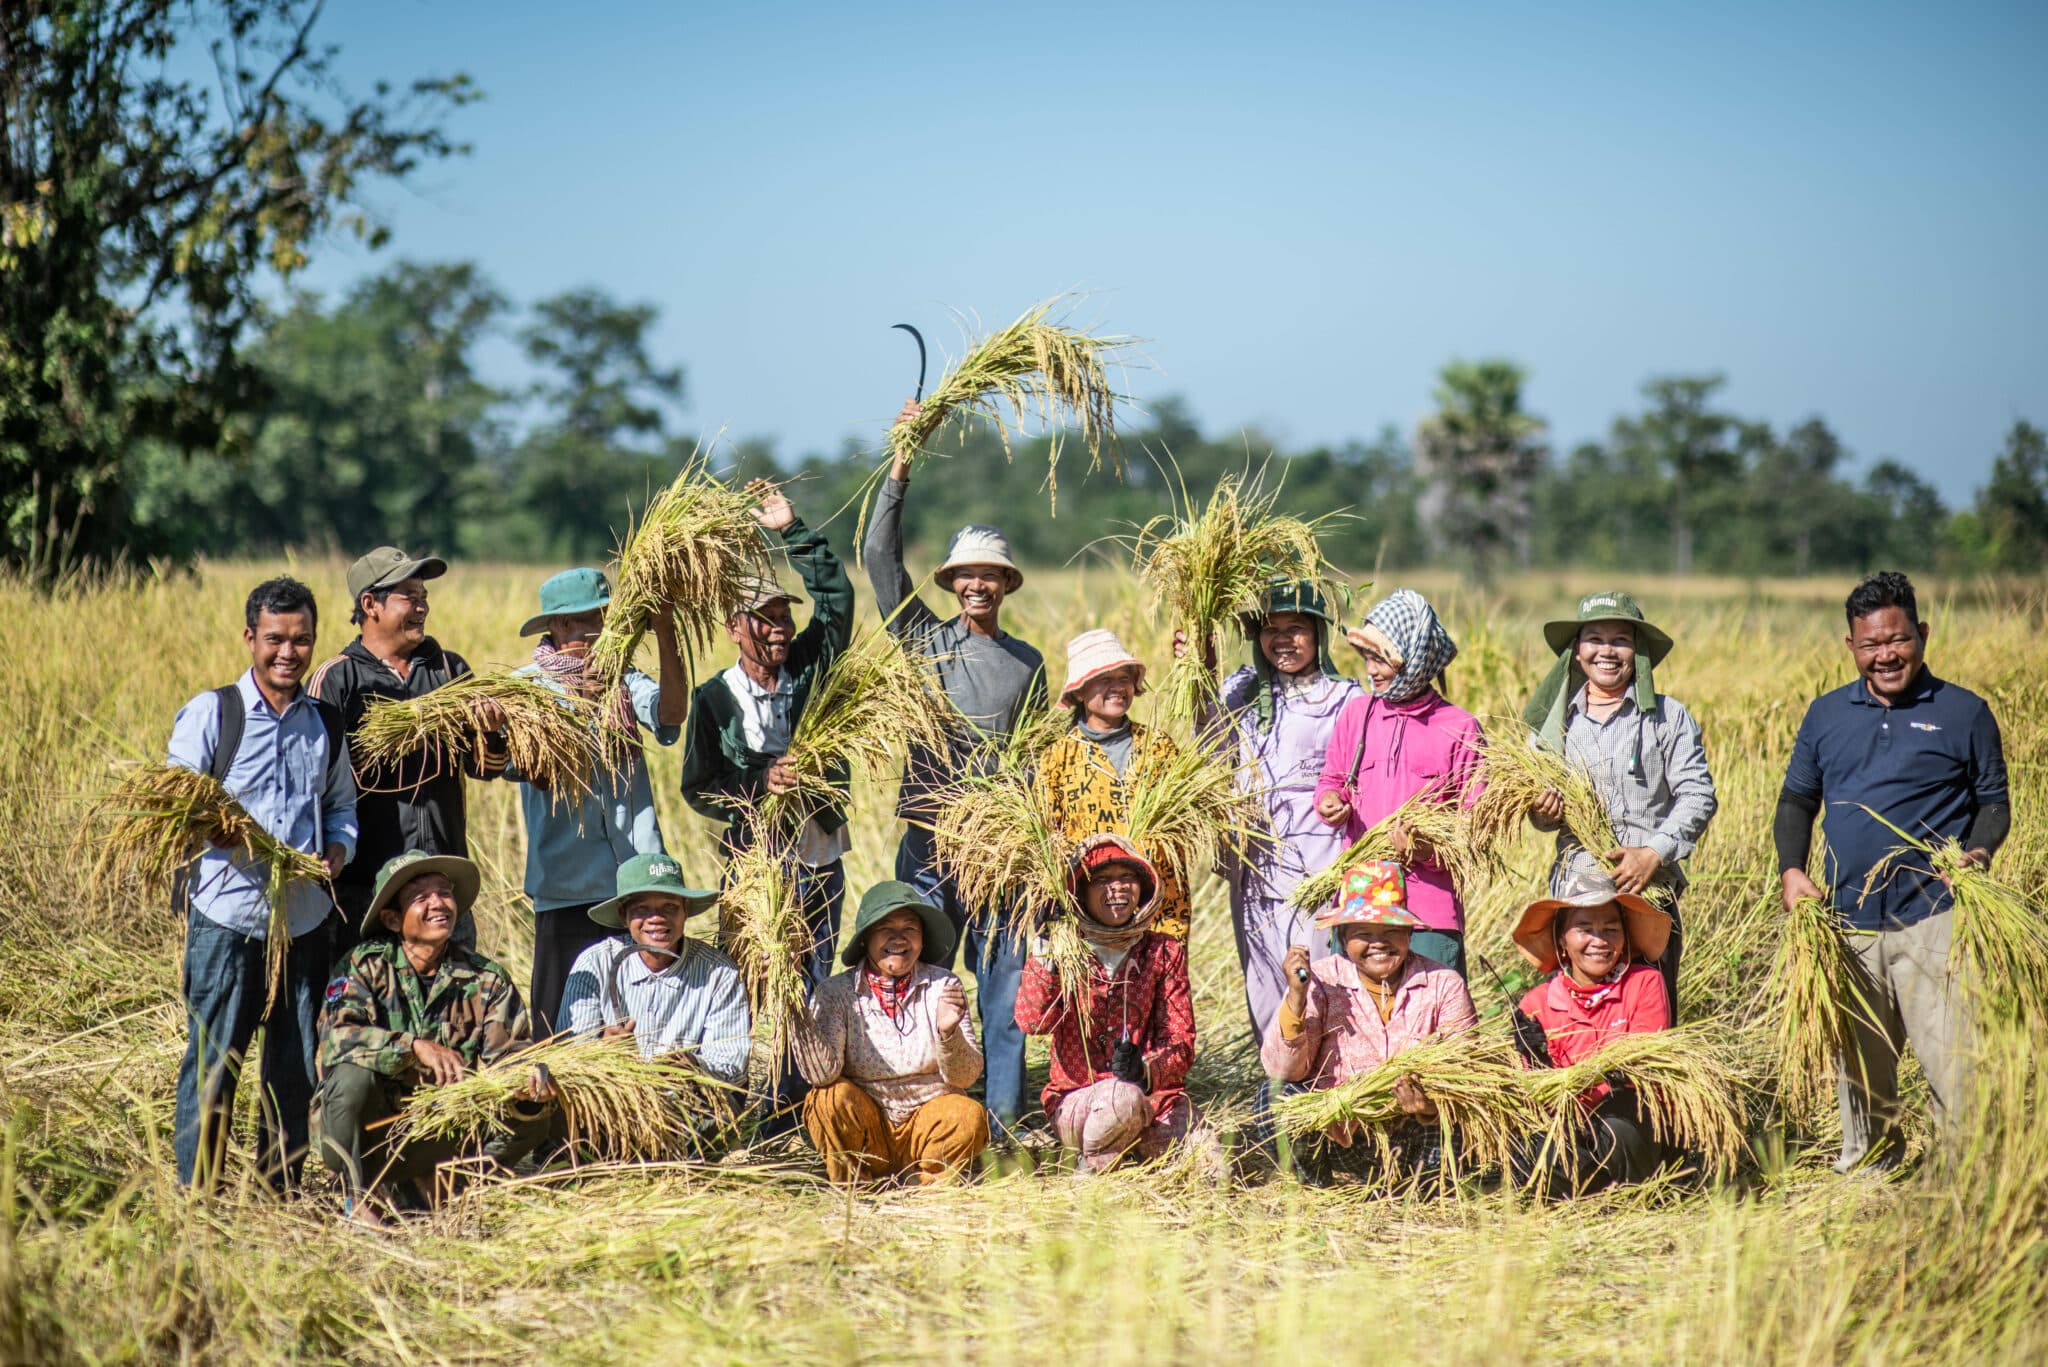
column 408, row 1009
column 891, row 1052
column 1601, row 946
column 1371, row 1000
column 1120, row 1059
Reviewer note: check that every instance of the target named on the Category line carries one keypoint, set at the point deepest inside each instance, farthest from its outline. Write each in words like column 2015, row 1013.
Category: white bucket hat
column 1096, row 652
column 975, row 544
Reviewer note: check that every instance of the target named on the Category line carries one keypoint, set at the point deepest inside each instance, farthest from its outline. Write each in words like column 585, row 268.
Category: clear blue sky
column 1306, row 209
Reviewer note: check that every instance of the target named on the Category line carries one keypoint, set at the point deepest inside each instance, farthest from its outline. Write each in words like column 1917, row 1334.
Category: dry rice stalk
column 622, row 1105
column 1474, row 1077
column 552, row 738
column 996, row 842
column 1205, row 569
column 761, row 926
column 1187, row 809
column 696, row 545
column 150, row 826
column 1069, row 957
column 1030, row 367
column 1518, row 772
column 873, row 699
column 1691, row 1092
column 1811, row 993
column 1440, row 824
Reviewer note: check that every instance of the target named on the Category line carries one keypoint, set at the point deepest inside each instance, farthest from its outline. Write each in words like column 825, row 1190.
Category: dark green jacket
column 720, row 769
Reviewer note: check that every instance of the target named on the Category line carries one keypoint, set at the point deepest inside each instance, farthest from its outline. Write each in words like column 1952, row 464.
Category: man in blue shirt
column 575, row 844
column 1924, row 755
column 283, row 757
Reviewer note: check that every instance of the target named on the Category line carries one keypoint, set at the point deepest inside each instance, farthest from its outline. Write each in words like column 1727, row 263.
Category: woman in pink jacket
column 1401, row 740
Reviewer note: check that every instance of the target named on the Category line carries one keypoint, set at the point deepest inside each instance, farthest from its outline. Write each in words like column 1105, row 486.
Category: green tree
column 1478, row 457
column 1690, row 447
column 2012, row 507
column 142, row 217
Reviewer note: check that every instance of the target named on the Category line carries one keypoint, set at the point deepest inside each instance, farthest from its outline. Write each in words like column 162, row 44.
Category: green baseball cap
column 1609, row 605
column 401, row 869
column 388, row 565
column 883, row 898
column 566, row 594
column 645, row 873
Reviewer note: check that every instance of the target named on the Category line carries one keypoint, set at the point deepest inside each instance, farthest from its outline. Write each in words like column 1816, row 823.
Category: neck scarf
column 1590, row 997
column 890, row 993
column 1408, row 620
column 571, row 669
column 1545, row 711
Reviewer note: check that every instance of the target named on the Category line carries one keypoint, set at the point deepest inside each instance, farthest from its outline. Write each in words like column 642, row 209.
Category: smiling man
column 1925, row 755
column 995, row 682
column 415, row 803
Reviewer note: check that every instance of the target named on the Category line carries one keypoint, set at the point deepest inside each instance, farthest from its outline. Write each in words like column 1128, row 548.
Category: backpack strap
column 234, row 719
column 330, row 718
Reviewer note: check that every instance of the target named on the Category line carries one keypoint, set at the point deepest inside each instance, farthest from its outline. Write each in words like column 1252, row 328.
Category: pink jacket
column 1342, row 1035
column 1424, row 743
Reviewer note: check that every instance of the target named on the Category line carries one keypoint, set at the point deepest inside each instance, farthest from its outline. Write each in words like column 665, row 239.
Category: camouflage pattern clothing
column 377, row 1006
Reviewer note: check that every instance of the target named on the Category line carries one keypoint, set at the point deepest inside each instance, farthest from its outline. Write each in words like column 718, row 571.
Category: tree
column 1478, row 456
column 142, row 218
column 1688, row 444
column 2012, row 508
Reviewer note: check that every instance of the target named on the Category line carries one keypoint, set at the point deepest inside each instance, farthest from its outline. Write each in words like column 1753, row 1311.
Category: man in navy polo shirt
column 1925, row 755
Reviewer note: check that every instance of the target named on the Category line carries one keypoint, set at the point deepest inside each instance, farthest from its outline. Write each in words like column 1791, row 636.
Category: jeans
column 559, row 935
column 997, row 961
column 225, row 983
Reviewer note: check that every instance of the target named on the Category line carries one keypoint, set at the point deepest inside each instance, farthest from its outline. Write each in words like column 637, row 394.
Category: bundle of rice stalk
column 995, row 840
column 872, row 700
column 554, row 739
column 1690, row 1089
column 1999, row 949
column 622, row 1105
column 150, row 826
column 1811, row 992
column 761, row 927
column 1188, row 808
column 1474, row 1077
column 1440, row 824
column 1032, row 367
column 1518, row 772
column 1206, row 569
column 696, row 546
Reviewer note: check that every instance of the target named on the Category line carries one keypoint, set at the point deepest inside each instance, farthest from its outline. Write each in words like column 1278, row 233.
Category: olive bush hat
column 1609, row 605
column 644, row 873
column 401, row 869
column 567, row 594
column 878, row 902
column 389, row 565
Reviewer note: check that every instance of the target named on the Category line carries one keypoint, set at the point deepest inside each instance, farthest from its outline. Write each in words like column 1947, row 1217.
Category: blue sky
column 1306, row 209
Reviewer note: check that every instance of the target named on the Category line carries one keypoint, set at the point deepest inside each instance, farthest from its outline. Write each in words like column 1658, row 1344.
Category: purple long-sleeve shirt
column 1383, row 753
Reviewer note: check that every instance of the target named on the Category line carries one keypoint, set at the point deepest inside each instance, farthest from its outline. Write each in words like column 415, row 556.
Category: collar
column 957, row 624
column 456, row 963
column 1925, row 686
column 1421, row 705
column 428, row 653
column 252, row 696
column 1628, row 702
column 1349, row 979
column 637, row 971
column 740, row 679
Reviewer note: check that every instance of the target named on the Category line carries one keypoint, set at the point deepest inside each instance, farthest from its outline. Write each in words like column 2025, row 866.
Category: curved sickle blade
column 918, row 337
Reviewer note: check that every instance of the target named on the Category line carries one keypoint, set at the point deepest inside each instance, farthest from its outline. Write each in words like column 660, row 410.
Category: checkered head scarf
column 1405, row 618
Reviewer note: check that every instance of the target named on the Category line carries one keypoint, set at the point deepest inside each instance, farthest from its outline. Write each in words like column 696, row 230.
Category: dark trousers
column 559, row 935
column 225, row 983
column 1615, row 1148
column 1667, row 966
column 996, row 958
column 354, row 1100
column 821, row 892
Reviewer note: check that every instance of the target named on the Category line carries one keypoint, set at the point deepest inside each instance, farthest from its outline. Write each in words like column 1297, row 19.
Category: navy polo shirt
column 1926, row 764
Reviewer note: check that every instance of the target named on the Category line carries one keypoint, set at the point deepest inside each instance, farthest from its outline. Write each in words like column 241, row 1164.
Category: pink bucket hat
column 1374, row 893
column 1093, row 653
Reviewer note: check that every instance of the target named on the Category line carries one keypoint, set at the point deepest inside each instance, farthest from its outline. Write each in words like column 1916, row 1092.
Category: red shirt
column 1633, row 1005
column 1148, row 997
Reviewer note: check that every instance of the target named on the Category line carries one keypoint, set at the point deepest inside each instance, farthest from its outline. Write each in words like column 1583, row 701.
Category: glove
column 1531, row 1041
column 1126, row 1063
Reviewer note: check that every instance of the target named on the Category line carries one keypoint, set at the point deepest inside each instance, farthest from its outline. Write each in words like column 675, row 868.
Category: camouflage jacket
column 377, row 1005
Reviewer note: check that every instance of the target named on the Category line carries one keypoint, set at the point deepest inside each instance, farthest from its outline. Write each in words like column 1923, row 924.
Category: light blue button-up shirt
column 282, row 778
column 574, row 846
column 694, row 1003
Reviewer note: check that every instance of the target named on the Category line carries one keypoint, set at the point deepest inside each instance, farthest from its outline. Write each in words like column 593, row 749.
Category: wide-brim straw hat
column 1609, row 605
column 976, row 544
column 644, row 874
column 1095, row 653
column 1373, row 893
column 1648, row 929
column 883, row 898
column 401, row 869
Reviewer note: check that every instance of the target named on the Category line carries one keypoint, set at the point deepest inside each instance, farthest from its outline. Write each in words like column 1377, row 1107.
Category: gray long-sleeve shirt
column 994, row 681
column 1652, row 769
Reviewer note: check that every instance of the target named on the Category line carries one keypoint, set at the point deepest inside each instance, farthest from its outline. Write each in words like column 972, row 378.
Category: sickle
column 919, row 338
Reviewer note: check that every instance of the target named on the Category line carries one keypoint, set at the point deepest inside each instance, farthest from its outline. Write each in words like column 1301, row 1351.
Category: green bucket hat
column 1287, row 595
column 651, row 873
column 1609, row 605
column 883, row 898
column 566, row 594
column 401, row 869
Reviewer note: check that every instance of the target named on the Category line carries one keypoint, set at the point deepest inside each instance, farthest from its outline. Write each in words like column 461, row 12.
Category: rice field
column 102, row 1259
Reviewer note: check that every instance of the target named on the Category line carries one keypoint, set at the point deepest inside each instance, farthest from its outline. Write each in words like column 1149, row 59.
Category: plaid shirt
column 377, row 1006
column 1146, row 1000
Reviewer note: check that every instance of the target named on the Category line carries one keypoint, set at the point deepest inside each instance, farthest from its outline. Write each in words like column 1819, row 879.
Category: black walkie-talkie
column 1530, row 1041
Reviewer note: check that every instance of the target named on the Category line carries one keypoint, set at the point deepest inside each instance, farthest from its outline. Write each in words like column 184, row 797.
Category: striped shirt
column 696, row 1003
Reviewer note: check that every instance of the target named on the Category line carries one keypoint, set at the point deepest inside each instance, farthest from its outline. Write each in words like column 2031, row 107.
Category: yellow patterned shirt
column 1083, row 797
